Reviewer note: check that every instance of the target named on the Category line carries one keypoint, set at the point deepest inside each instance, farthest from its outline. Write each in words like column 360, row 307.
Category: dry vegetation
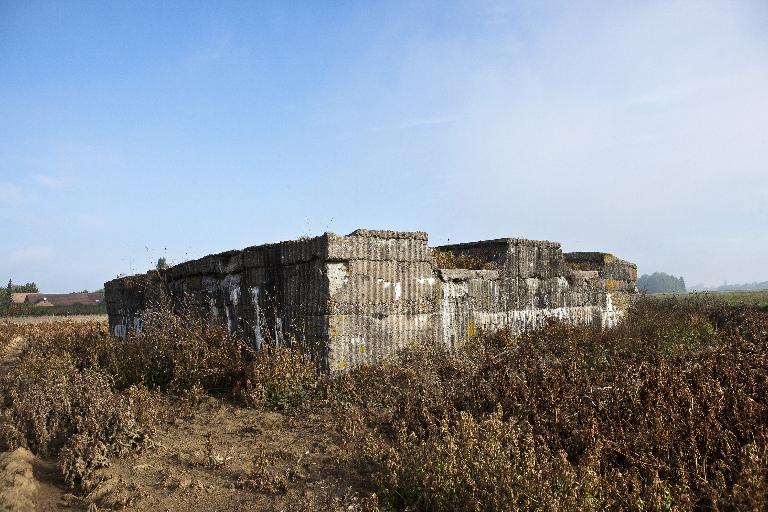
column 453, row 260
column 741, row 298
column 667, row 412
column 52, row 318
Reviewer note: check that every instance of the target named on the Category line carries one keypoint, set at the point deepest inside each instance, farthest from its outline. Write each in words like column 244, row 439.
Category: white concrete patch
column 279, row 340
column 338, row 277
column 214, row 309
column 257, row 337
column 611, row 315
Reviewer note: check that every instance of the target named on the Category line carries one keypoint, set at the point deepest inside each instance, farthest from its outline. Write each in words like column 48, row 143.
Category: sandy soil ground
column 9, row 354
column 217, row 457
column 29, row 484
column 221, row 457
column 207, row 456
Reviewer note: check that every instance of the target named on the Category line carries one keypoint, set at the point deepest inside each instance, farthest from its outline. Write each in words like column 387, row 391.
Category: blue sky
column 134, row 130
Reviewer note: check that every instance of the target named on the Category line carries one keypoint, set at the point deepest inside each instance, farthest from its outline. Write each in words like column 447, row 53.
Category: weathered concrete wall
column 128, row 297
column 533, row 281
column 384, row 295
column 354, row 299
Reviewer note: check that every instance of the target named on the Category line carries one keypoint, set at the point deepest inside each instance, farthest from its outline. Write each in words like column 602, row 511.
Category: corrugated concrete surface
column 354, row 299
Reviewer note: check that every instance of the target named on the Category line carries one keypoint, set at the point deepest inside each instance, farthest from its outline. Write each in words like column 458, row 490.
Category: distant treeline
column 660, row 282
column 744, row 287
column 9, row 308
column 5, row 294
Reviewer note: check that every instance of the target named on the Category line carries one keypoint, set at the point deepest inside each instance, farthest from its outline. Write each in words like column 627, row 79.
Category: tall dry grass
column 83, row 395
column 668, row 411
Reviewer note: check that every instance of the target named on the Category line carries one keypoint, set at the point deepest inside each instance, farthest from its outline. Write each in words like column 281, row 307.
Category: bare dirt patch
column 217, row 456
column 28, row 483
column 18, row 486
column 9, row 353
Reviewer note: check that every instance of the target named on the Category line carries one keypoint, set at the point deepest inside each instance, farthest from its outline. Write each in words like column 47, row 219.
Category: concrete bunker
column 351, row 300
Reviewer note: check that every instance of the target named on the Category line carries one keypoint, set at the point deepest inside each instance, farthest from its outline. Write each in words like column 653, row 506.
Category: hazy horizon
column 133, row 131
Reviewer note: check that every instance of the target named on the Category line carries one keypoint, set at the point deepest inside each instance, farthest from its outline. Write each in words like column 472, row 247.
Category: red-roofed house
column 62, row 299
column 19, row 298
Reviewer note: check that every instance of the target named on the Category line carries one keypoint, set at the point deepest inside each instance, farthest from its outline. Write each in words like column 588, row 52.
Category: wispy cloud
column 497, row 13
column 417, row 123
column 53, row 182
column 33, row 255
column 213, row 50
column 10, row 194
column 642, row 118
column 91, row 221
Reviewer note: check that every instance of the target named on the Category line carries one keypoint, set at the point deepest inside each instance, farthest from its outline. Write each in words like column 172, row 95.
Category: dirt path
column 26, row 482
column 218, row 456
column 10, row 354
column 18, row 487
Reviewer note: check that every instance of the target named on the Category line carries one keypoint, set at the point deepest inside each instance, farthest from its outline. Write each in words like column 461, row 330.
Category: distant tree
column 5, row 298
column 6, row 294
column 26, row 288
column 661, row 282
column 161, row 264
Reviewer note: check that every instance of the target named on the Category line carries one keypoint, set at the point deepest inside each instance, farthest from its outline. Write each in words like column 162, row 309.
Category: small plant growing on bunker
column 453, row 260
